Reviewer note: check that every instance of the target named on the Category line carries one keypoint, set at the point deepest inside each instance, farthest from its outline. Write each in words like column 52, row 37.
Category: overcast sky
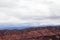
column 30, row 11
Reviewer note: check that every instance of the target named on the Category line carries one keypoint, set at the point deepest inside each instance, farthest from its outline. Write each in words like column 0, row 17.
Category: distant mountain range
column 9, row 27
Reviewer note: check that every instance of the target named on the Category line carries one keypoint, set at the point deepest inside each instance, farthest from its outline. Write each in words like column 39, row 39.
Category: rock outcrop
column 38, row 33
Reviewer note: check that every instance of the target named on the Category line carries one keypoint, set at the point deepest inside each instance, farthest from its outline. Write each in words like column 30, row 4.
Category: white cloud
column 26, row 11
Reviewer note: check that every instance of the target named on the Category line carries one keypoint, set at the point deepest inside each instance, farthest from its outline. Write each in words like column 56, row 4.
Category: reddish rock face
column 30, row 34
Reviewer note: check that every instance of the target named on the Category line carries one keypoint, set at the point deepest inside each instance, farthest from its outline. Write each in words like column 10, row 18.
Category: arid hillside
column 34, row 33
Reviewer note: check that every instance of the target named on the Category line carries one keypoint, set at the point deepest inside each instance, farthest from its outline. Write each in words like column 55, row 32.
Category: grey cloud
column 9, row 9
column 19, row 13
column 8, row 3
column 25, row 9
column 53, row 6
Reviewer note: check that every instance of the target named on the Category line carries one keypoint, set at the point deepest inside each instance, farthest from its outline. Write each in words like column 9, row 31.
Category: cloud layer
column 30, row 11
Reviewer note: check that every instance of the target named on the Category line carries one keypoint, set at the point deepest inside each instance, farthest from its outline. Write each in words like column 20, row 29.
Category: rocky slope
column 37, row 33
